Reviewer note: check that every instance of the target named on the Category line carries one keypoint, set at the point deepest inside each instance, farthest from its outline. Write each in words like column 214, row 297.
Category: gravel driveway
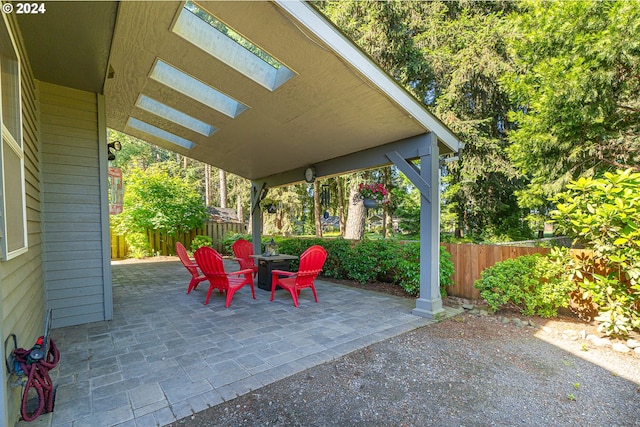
column 470, row 370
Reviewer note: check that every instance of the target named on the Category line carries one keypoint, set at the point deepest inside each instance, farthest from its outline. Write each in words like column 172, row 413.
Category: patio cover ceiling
column 333, row 102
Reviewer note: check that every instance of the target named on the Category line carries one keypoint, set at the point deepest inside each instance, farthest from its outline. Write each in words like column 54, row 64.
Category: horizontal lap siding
column 21, row 278
column 72, row 216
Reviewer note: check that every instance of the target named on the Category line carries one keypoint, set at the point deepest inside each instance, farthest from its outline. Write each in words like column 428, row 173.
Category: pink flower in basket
column 375, row 192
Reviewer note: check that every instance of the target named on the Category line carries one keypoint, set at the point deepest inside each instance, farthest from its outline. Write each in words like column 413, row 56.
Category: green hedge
column 382, row 260
column 532, row 283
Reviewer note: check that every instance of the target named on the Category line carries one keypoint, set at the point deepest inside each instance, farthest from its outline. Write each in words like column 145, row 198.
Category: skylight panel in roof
column 202, row 29
column 160, row 133
column 171, row 114
column 194, row 88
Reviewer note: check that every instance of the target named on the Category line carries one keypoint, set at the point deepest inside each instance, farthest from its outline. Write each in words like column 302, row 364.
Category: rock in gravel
column 597, row 341
column 570, row 334
column 631, row 343
column 622, row 348
column 468, row 306
column 520, row 323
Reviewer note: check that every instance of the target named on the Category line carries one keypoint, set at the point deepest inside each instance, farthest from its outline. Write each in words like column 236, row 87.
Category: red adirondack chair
column 196, row 276
column 242, row 249
column 211, row 265
column 311, row 263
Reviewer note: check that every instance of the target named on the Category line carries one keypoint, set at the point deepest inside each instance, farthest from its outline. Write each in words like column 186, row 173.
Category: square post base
column 430, row 309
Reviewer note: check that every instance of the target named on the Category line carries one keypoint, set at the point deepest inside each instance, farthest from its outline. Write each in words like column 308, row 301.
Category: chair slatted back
column 311, row 263
column 243, row 249
column 211, row 265
column 184, row 258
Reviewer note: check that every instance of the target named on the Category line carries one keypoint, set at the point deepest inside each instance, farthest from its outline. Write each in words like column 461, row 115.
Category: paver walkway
column 166, row 355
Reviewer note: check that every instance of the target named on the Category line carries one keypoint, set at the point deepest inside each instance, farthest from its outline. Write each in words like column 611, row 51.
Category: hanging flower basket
column 369, row 203
column 373, row 194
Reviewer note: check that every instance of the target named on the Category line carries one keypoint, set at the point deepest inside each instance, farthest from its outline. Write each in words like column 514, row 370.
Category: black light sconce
column 271, row 208
column 112, row 148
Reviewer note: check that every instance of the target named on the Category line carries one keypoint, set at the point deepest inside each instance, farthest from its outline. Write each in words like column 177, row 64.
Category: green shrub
column 200, row 241
column 372, row 260
column 295, row 246
column 384, row 260
column 138, row 245
column 158, row 199
column 338, row 253
column 603, row 214
column 407, row 269
column 229, row 239
column 446, row 271
column 532, row 283
column 407, row 273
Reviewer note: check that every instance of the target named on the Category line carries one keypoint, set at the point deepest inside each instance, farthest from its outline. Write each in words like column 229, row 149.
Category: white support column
column 429, row 304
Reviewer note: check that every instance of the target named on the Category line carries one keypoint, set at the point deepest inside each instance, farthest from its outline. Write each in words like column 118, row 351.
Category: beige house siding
column 64, row 142
column 22, row 306
column 72, row 200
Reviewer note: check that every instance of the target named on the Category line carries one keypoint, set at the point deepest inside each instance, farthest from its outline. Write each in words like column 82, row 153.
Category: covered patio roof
column 255, row 88
column 261, row 89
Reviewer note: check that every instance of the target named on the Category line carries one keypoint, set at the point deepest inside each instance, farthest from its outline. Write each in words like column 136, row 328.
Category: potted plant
column 372, row 194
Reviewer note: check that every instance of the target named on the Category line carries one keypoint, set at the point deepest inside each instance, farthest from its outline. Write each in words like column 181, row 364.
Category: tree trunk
column 207, row 185
column 239, row 210
column 340, row 185
column 316, row 207
column 223, row 189
column 354, row 229
column 387, row 222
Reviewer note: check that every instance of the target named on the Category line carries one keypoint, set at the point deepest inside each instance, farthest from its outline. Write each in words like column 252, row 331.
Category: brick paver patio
column 166, row 355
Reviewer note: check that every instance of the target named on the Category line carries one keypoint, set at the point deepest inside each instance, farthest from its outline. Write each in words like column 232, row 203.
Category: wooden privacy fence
column 163, row 244
column 470, row 260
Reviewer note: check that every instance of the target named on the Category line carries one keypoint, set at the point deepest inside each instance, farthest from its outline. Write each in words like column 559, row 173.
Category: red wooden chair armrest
column 283, row 273
column 240, row 272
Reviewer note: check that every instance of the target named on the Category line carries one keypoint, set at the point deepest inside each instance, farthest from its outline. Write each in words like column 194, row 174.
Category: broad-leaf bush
column 138, row 245
column 603, row 214
column 532, row 283
column 200, row 241
column 384, row 260
column 446, row 271
column 157, row 200
column 229, row 239
column 406, row 272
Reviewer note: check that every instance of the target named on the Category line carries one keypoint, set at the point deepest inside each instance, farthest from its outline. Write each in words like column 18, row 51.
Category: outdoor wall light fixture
column 271, row 208
column 113, row 147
